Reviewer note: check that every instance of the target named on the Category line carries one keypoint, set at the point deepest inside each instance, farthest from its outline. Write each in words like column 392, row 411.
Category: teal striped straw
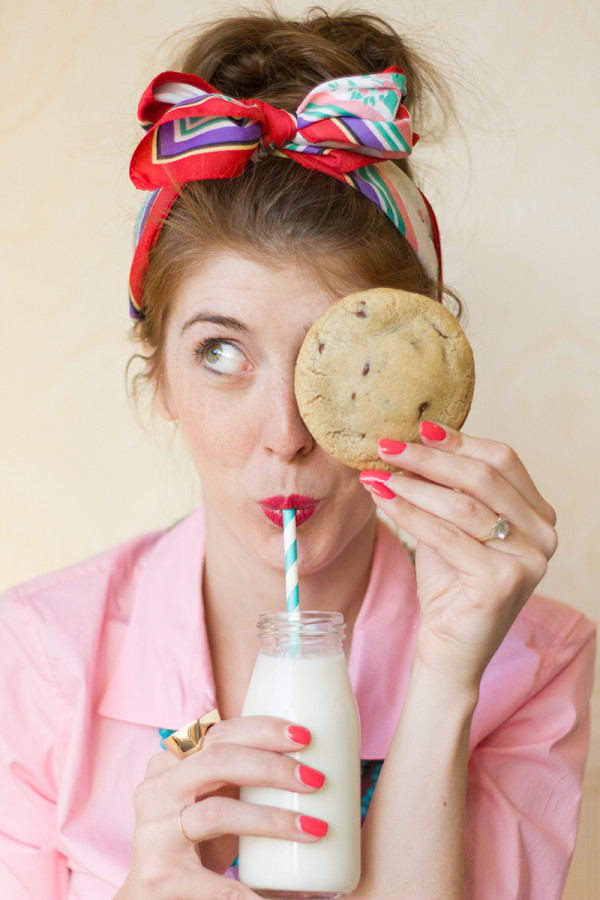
column 291, row 560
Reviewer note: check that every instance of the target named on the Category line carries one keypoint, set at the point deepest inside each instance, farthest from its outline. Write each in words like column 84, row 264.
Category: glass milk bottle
column 301, row 674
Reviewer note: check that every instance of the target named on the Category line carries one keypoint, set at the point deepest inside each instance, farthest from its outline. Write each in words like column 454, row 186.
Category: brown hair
column 278, row 211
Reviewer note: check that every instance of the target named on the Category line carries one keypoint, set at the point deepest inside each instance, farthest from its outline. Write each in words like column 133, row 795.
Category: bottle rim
column 307, row 620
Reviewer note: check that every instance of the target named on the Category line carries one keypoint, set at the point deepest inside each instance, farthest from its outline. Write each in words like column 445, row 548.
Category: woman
column 257, row 222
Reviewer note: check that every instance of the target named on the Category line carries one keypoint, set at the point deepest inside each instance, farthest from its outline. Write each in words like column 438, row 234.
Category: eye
column 223, row 357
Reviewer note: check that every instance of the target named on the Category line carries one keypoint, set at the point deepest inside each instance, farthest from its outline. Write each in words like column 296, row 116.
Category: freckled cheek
column 216, row 432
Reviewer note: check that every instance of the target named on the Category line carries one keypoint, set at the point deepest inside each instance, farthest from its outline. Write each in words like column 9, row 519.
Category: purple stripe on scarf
column 365, row 188
column 310, row 150
column 360, row 128
column 363, row 132
column 232, row 133
column 303, row 121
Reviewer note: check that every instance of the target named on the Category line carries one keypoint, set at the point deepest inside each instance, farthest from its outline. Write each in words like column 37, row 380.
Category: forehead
column 235, row 285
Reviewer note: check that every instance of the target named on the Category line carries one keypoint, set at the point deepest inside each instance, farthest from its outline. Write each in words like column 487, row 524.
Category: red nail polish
column 431, row 431
column 369, row 475
column 392, row 447
column 310, row 825
column 311, row 777
column 381, row 490
column 299, row 734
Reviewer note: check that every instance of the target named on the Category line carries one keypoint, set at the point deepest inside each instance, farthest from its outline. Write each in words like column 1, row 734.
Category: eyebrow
column 214, row 319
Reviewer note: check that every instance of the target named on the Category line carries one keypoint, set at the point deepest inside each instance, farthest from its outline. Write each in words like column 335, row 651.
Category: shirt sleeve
column 524, row 794
column 31, row 865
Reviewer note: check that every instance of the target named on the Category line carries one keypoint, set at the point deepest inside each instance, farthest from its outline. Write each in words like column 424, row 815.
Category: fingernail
column 392, row 447
column 311, row 777
column 432, row 431
column 310, row 825
column 369, row 475
column 381, row 490
column 299, row 734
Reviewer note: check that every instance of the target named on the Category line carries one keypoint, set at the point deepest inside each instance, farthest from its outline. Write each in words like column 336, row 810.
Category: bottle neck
column 305, row 633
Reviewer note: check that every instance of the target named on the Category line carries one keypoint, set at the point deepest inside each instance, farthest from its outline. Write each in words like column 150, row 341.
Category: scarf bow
column 340, row 126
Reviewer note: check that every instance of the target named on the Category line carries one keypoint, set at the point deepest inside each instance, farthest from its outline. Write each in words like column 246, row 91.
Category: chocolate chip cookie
column 375, row 364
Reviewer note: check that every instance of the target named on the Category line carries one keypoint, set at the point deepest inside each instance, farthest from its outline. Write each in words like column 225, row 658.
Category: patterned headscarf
column 340, row 128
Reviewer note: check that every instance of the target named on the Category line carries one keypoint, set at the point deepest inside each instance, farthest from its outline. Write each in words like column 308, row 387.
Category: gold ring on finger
column 500, row 529
column 182, row 829
column 190, row 738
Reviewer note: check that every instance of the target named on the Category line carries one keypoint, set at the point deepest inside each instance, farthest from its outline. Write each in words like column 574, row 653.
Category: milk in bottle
column 301, row 674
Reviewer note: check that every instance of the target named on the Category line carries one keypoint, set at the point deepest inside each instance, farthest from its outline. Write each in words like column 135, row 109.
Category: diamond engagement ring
column 500, row 530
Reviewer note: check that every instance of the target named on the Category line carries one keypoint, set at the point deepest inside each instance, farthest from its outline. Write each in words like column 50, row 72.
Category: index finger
column 261, row 733
column 258, row 732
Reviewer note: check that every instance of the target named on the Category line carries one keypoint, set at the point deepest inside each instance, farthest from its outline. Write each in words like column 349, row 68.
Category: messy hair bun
column 268, row 57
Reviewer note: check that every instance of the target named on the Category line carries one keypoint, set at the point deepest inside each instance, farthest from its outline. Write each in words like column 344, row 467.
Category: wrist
column 444, row 690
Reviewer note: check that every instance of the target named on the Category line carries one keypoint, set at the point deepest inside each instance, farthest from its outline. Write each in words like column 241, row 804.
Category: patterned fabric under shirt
column 370, row 769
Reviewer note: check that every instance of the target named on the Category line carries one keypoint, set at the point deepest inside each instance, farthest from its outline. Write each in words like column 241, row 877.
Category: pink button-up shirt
column 96, row 658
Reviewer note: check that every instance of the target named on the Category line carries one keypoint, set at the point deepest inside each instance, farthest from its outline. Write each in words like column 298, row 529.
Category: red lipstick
column 305, row 508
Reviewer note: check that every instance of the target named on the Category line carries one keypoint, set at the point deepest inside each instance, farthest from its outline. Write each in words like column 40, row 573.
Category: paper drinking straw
column 291, row 560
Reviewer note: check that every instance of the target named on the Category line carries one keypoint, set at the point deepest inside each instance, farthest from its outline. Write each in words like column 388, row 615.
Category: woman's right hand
column 204, row 789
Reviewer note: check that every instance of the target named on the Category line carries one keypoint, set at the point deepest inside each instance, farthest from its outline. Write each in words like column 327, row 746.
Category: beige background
column 519, row 223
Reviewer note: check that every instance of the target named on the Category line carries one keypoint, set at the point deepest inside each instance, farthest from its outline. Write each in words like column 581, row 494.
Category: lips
column 272, row 507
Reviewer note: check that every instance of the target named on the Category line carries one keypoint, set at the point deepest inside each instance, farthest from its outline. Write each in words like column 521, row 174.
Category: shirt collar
column 163, row 671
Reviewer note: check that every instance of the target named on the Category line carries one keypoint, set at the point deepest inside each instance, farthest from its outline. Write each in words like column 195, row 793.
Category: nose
column 285, row 433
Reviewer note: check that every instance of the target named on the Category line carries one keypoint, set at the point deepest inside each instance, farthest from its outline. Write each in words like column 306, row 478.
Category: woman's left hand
column 450, row 491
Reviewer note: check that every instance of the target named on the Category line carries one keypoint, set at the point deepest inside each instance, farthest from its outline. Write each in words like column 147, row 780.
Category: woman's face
column 233, row 336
